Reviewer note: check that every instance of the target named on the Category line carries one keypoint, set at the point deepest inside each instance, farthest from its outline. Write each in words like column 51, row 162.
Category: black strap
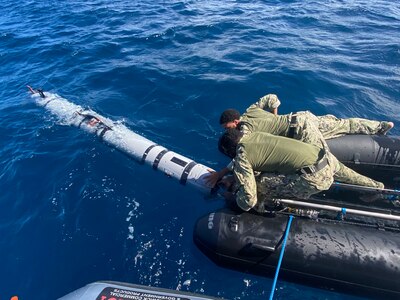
column 48, row 102
column 105, row 129
column 186, row 172
column 146, row 153
column 85, row 118
column 315, row 168
column 292, row 126
column 41, row 93
column 158, row 158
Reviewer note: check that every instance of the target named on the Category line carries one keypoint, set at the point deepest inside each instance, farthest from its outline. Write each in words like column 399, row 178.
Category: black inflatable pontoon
column 374, row 156
column 371, row 155
column 349, row 257
column 360, row 254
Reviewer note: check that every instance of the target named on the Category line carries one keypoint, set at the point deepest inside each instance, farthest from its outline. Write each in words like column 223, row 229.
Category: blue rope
column 271, row 296
column 341, row 214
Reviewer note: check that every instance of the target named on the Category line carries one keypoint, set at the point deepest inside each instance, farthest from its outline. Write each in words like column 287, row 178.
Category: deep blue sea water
column 74, row 211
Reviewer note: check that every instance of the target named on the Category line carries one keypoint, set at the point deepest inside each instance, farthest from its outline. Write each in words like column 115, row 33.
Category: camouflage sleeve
column 245, row 129
column 246, row 195
column 267, row 102
column 230, row 165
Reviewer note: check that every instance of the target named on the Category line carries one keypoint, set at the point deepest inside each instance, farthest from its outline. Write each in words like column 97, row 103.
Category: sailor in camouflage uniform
column 329, row 125
column 303, row 126
column 290, row 168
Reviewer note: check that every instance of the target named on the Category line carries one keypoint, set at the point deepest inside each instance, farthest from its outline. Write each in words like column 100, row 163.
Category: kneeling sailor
column 294, row 169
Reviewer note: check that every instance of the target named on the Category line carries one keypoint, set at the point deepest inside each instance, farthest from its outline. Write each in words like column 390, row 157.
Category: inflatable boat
column 358, row 256
column 377, row 157
column 374, row 156
column 338, row 239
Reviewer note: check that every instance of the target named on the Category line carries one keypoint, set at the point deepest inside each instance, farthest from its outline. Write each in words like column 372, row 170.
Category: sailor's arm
column 246, row 195
column 268, row 102
column 212, row 178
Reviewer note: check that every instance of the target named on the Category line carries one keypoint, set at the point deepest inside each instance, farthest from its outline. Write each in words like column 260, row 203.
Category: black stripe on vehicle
column 85, row 118
column 179, row 161
column 105, row 129
column 158, row 158
column 48, row 102
column 146, row 153
column 186, row 172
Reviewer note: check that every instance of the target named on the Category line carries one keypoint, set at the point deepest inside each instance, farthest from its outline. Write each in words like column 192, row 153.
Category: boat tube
column 375, row 156
column 110, row 290
column 346, row 256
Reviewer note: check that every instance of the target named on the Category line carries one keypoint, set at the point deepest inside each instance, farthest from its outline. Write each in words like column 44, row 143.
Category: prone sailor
column 304, row 126
column 290, row 168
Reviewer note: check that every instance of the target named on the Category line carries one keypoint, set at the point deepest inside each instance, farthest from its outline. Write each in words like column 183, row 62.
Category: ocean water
column 74, row 211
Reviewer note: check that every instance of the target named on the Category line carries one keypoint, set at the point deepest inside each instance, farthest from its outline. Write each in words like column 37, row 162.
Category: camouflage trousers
column 331, row 126
column 311, row 128
column 272, row 186
column 307, row 131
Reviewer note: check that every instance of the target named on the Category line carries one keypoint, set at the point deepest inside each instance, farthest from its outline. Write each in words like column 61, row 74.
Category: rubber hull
column 374, row 156
column 327, row 254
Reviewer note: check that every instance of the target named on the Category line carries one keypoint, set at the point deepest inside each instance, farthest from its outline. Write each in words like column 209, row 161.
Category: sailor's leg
column 331, row 126
column 364, row 126
column 347, row 175
column 310, row 184
column 270, row 186
column 308, row 132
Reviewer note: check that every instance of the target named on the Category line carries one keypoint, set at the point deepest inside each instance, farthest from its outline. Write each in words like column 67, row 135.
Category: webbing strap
column 271, row 296
column 292, row 126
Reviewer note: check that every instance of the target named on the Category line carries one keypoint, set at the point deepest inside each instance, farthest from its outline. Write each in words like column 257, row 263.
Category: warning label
column 111, row 293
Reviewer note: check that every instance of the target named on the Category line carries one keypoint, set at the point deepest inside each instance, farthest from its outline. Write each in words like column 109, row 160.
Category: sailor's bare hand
column 212, row 178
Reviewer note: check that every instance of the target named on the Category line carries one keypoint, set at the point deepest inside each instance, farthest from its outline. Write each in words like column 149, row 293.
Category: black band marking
column 179, row 161
column 146, row 153
column 48, row 101
column 158, row 158
column 85, row 118
column 105, row 129
column 186, row 172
